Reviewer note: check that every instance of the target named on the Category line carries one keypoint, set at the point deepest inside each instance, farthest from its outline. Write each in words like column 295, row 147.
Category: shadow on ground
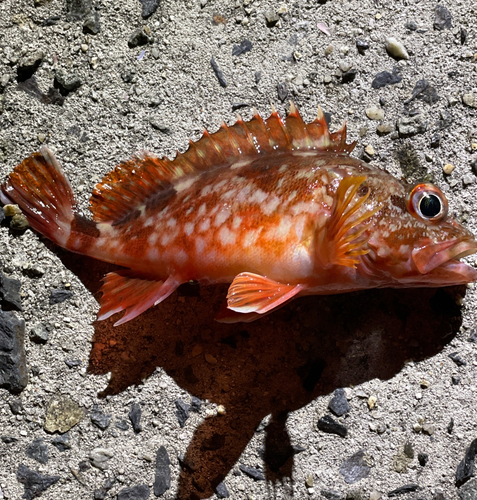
column 272, row 366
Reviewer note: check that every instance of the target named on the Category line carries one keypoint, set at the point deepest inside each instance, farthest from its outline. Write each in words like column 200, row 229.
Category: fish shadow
column 273, row 366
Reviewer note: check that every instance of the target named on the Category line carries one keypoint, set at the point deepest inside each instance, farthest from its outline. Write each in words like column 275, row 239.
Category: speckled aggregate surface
column 392, row 345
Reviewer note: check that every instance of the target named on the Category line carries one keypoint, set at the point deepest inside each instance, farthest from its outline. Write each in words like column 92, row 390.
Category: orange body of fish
column 278, row 208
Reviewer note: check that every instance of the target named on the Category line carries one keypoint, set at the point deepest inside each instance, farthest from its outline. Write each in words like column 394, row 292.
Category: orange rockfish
column 277, row 208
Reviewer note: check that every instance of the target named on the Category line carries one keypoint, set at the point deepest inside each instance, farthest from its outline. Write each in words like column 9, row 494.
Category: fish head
column 414, row 240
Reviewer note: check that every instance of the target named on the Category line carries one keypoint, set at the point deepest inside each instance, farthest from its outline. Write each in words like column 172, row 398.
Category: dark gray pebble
column 239, row 105
column 446, row 120
column 465, row 469
column 122, row 425
column 411, row 25
column 244, row 47
column 162, row 480
column 463, row 36
column 62, row 442
column 77, row 9
column 139, row 492
column 16, row 406
column 282, row 90
column 138, row 38
column 355, row 468
column 39, row 334
column 469, row 490
column 442, row 18
column 349, row 76
column 218, row 73
column 135, row 417
column 100, row 419
column 436, row 141
column 13, row 370
column 362, row 46
column 455, row 380
column 58, row 295
column 8, row 439
column 149, row 7
column 327, row 424
column 28, row 64
column 51, row 21
column 407, row 488
column 10, row 299
column 423, row 458
column 258, row 77
column 34, row 482
column 38, row 451
column 424, row 91
column 385, row 78
column 84, row 465
column 72, row 363
column 408, row 449
column 457, row 359
column 91, row 24
column 332, row 494
column 101, row 493
column 67, row 82
column 221, row 491
column 252, row 472
column 195, row 404
column 182, row 412
column 339, row 404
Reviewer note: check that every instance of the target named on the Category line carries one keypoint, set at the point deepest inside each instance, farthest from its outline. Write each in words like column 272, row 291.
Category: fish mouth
column 443, row 258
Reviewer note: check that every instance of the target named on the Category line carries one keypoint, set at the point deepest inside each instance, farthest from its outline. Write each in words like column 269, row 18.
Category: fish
column 276, row 207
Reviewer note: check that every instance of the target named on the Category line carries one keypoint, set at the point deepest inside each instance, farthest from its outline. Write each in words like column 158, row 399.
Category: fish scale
column 278, row 208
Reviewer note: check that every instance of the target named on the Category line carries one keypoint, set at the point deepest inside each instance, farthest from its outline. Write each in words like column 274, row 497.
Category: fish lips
column 444, row 256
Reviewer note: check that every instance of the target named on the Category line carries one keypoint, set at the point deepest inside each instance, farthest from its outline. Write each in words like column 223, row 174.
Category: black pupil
column 430, row 205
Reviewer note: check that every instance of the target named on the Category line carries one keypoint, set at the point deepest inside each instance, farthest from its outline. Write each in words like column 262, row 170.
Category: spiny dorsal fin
column 145, row 176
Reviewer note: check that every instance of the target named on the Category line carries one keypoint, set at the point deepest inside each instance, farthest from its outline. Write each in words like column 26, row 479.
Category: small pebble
column 369, row 150
column 375, row 113
column 469, row 100
column 396, row 49
column 309, row 481
column 448, row 168
column 372, row 400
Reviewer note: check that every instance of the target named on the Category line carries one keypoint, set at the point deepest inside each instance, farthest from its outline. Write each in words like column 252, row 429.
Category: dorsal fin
column 132, row 183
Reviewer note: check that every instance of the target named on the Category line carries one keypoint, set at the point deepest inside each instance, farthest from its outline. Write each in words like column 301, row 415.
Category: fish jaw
column 439, row 261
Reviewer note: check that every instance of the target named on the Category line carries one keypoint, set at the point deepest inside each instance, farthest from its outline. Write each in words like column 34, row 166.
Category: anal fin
column 124, row 291
column 252, row 293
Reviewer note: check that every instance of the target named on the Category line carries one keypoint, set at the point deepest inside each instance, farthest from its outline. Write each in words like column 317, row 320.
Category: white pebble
column 396, row 48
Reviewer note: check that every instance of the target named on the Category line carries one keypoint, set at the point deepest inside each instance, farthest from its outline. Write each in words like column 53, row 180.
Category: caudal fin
column 39, row 187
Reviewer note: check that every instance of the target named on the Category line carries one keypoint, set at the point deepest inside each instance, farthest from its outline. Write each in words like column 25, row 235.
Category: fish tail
column 40, row 188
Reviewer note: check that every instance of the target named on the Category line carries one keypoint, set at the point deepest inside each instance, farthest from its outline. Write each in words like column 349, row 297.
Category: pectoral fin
column 252, row 293
column 122, row 291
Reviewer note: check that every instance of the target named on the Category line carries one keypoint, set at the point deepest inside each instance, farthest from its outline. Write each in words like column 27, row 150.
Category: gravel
column 70, row 80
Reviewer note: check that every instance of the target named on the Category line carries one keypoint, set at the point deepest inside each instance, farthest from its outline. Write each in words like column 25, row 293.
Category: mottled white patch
column 204, row 225
column 283, row 229
column 280, row 183
column 404, row 249
column 149, row 222
column 202, row 210
column 220, row 185
column 271, row 205
column 239, row 164
column 199, row 245
column 180, row 257
column 226, row 236
column 243, row 194
column 222, row 216
column 320, row 163
column 153, row 254
column 258, row 196
column 304, row 153
column 250, row 237
column 236, row 222
column 171, row 222
column 168, row 237
column 231, row 193
column 304, row 174
column 152, row 239
column 206, row 190
column 283, row 168
column 185, row 184
column 299, row 226
column 309, row 207
column 189, row 228
column 189, row 210
column 292, row 195
column 106, row 230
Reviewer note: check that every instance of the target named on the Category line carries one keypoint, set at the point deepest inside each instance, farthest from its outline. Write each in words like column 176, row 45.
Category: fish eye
column 427, row 203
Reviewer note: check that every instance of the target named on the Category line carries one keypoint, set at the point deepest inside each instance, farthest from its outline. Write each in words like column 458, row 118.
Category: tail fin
column 39, row 186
